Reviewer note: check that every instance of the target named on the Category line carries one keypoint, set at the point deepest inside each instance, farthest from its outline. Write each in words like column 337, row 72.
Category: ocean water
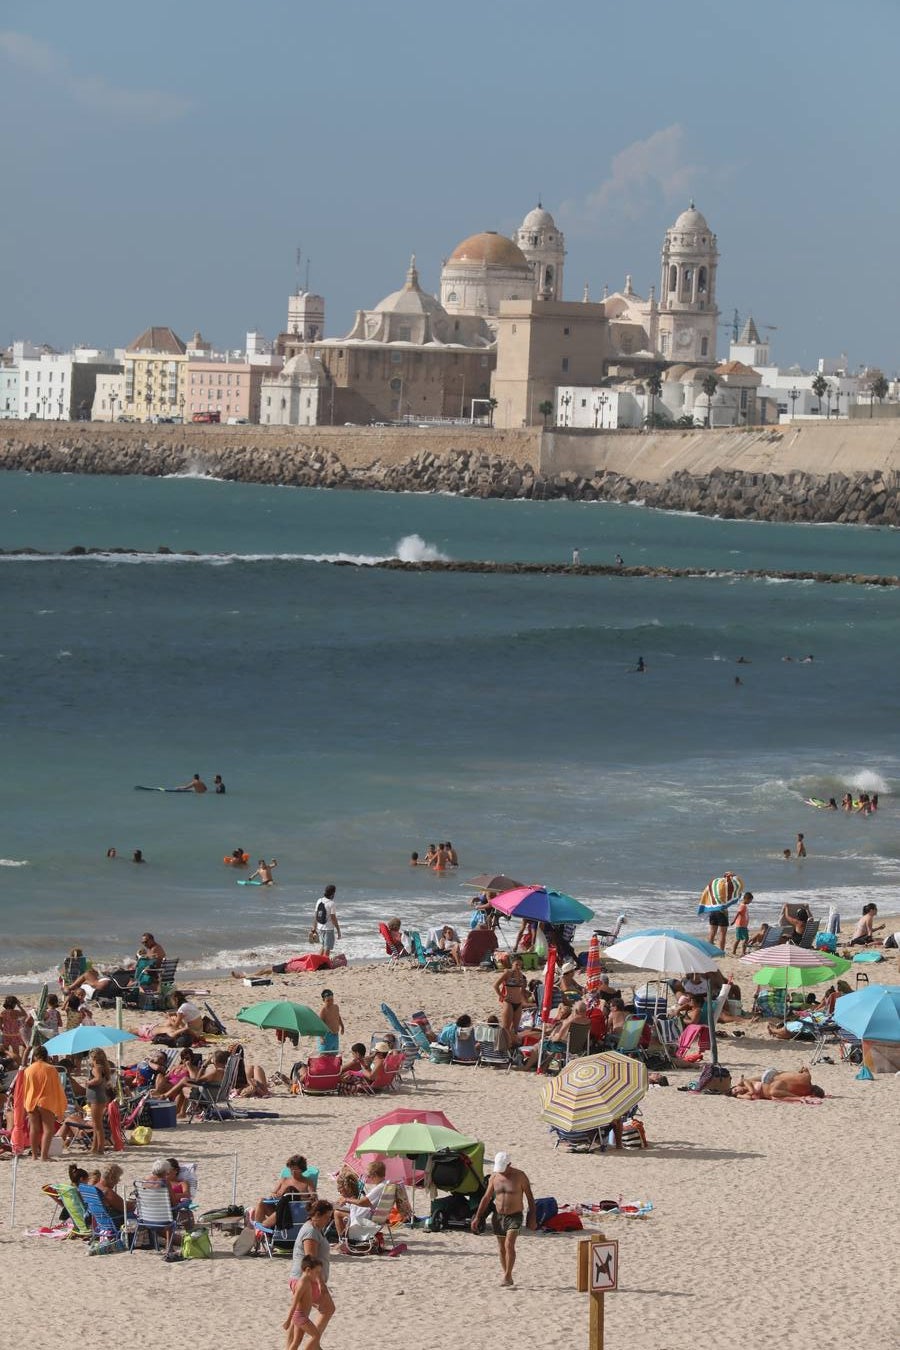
column 357, row 714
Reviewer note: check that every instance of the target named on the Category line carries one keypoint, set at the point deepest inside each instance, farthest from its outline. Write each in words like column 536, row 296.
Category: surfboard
column 249, row 881
column 818, row 802
column 139, row 787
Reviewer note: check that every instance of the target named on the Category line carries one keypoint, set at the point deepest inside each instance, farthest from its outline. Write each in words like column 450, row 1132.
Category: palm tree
column 709, row 386
column 878, row 387
column 492, row 403
column 819, row 387
column 653, row 383
column 545, row 409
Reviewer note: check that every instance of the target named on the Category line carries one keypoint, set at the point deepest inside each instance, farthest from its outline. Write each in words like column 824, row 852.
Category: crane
column 735, row 326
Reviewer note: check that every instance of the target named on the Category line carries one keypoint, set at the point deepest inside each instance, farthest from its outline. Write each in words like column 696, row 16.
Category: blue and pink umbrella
column 541, row 905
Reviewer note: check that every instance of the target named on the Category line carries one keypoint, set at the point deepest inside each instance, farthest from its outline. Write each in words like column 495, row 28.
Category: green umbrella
column 413, row 1139
column 799, row 977
column 295, row 1018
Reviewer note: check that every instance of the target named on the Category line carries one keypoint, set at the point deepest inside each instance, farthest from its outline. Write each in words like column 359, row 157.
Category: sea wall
column 832, row 472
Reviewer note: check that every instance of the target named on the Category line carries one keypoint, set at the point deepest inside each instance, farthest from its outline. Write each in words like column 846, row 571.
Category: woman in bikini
column 512, row 990
column 98, row 1095
column 307, row 1292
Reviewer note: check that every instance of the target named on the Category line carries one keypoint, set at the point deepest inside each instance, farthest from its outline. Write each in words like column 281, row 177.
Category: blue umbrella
column 81, row 1039
column 872, row 1014
column 707, row 948
column 541, row 905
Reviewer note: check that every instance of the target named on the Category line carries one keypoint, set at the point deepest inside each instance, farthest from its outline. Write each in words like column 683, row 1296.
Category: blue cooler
column 162, row 1115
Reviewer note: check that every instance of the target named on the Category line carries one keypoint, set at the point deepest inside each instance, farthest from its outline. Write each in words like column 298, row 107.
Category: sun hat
column 501, row 1162
column 568, row 967
column 382, row 1047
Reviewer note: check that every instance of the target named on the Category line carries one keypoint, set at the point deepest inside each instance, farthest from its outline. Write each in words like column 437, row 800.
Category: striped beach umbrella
column 794, row 957
column 594, row 1091
column 592, row 982
column 721, row 893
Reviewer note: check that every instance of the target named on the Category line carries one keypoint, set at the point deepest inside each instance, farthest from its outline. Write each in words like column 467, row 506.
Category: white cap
column 501, row 1162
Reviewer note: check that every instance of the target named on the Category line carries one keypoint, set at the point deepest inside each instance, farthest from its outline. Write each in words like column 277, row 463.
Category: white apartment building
column 9, row 391
column 59, row 386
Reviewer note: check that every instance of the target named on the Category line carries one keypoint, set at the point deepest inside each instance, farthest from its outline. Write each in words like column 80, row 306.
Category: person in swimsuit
column 778, row 1086
column 307, row 1294
column 219, row 785
column 195, row 785
column 430, row 855
column 98, row 1095
column 512, row 990
column 865, row 930
column 510, row 1191
column 263, row 873
column 742, row 925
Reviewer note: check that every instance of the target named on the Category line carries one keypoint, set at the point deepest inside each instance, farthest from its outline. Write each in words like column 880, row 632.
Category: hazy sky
column 162, row 164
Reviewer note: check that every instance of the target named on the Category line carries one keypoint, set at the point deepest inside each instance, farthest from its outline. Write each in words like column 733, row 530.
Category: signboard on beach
column 604, row 1266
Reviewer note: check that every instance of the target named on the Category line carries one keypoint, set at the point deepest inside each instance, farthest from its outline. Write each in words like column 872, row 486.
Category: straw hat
column 382, row 1048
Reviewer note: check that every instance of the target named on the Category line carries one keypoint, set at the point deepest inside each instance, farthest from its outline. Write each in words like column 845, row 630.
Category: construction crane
column 735, row 326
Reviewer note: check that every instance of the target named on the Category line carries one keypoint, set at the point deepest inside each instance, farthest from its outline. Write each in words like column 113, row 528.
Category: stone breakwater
column 468, row 462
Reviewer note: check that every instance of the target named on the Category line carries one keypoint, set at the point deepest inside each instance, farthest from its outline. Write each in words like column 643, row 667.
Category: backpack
column 196, row 1246
column 321, row 913
column 544, row 1210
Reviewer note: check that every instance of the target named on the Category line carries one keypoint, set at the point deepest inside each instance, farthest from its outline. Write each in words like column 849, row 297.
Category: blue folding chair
column 105, row 1227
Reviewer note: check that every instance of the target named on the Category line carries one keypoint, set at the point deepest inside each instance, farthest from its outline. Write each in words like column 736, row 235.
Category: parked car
column 238, row 422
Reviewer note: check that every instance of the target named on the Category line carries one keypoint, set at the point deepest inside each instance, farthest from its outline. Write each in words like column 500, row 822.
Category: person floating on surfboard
column 195, row 785
column 263, row 873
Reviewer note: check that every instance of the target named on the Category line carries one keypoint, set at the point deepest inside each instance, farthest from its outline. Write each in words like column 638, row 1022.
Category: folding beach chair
column 69, row 1198
column 433, row 961
column 666, row 1033
column 394, row 949
column 321, row 1077
column 851, row 1047
column 465, row 1047
column 629, row 1038
column 290, row 1216
column 212, row 1100
column 492, row 1042
column 106, row 1228
column 372, row 1232
column 157, row 1000
column 152, row 1215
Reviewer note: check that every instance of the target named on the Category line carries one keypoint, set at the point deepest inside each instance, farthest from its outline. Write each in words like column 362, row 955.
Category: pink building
column 231, row 388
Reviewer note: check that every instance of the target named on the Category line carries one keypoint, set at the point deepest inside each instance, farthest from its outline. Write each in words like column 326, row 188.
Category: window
column 704, row 347
column 565, row 332
column 396, row 385
column 584, row 403
column 565, row 363
column 673, row 278
column 664, row 343
column 513, row 329
column 396, row 358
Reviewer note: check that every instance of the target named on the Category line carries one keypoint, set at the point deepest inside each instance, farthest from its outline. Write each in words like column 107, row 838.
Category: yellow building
column 155, row 376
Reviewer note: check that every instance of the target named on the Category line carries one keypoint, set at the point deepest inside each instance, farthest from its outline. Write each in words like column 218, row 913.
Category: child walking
column 742, row 925
column 307, row 1291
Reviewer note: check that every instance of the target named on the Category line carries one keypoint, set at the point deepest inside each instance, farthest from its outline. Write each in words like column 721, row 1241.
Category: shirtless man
column 778, row 1086
column 263, row 873
column 330, row 1014
column 510, row 1190
column 195, row 785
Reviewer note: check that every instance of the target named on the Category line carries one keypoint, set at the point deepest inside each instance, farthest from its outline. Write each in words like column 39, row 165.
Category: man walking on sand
column 327, row 921
column 510, row 1191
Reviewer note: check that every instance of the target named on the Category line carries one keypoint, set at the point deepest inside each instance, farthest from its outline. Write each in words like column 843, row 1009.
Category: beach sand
column 772, row 1223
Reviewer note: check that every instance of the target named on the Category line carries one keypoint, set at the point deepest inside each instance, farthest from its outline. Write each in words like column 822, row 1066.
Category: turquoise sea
column 356, row 714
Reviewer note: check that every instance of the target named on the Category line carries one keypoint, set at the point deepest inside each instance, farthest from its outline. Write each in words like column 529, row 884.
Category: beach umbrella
column 662, row 952
column 397, row 1168
column 414, row 1139
column 795, row 977
column 720, row 893
column 592, row 971
column 707, row 948
column 489, row 881
column 541, row 905
column 872, row 1014
column 81, row 1039
column 593, row 1091
column 789, row 954
column 280, row 1015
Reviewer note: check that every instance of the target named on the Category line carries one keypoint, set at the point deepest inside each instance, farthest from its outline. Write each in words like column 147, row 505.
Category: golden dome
column 489, row 249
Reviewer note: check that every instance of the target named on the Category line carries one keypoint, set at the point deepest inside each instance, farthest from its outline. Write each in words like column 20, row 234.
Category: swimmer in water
column 138, row 856
column 195, row 785
column 263, row 873
column 640, row 667
column 218, row 785
column 238, row 858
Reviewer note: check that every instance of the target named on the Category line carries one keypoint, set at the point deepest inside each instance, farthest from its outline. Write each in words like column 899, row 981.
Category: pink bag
column 692, row 1042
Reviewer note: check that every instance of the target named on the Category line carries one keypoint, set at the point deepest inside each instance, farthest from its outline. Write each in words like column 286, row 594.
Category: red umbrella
column 592, row 983
column 398, row 1169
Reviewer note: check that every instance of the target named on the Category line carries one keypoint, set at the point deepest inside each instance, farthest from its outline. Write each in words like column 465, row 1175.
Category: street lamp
column 599, row 405
column 148, row 399
column 565, row 401
column 112, row 407
column 793, row 395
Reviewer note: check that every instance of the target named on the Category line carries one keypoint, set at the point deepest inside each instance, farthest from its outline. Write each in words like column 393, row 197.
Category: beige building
column 214, row 383
column 109, row 398
column 155, row 366
column 542, row 344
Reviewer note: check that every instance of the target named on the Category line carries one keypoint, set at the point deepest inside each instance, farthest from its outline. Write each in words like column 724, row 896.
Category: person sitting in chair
column 296, row 1185
column 354, row 1221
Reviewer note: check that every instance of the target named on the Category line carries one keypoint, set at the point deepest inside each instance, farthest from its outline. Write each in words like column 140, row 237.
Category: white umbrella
column 659, row 951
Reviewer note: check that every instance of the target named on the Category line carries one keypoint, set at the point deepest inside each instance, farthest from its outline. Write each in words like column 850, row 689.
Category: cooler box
column 162, row 1115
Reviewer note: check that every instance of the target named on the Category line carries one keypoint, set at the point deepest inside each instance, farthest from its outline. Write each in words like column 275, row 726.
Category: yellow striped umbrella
column 593, row 1091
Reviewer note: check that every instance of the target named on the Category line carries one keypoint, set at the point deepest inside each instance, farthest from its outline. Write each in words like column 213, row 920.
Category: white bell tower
column 545, row 248
column 688, row 315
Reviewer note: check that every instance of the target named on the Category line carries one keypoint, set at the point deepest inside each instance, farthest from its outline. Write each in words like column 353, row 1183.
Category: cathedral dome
column 691, row 219
column 489, row 249
column 538, row 219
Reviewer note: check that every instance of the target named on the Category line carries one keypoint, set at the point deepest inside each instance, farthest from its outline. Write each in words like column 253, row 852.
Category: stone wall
column 822, row 473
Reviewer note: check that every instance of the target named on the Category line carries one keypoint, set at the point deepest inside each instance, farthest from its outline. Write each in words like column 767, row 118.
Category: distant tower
column 306, row 316
column 688, row 317
column 545, row 248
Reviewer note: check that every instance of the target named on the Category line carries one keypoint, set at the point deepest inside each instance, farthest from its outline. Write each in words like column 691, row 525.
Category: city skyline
column 153, row 181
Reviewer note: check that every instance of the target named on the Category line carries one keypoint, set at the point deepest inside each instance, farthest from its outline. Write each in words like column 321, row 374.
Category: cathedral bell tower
column 688, row 315
column 545, row 248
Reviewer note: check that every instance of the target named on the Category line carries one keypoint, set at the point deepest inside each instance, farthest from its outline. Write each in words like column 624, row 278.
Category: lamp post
column 793, row 395
column 566, row 401
column 599, row 407
column 837, row 402
column 148, row 400
column 112, row 407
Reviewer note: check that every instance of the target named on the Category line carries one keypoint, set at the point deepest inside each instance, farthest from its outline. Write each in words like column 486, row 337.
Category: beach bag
column 196, row 1245
column 141, row 1135
column 540, row 945
column 633, row 1134
column 565, row 1221
column 825, row 942
column 714, row 1078
column 544, row 1210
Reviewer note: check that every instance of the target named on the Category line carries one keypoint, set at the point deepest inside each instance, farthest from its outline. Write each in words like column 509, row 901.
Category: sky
column 163, row 165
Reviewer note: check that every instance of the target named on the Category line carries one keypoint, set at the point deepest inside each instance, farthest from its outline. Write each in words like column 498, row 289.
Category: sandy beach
column 769, row 1220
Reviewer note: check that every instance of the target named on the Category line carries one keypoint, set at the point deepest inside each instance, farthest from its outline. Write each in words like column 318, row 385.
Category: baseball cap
column 501, row 1162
